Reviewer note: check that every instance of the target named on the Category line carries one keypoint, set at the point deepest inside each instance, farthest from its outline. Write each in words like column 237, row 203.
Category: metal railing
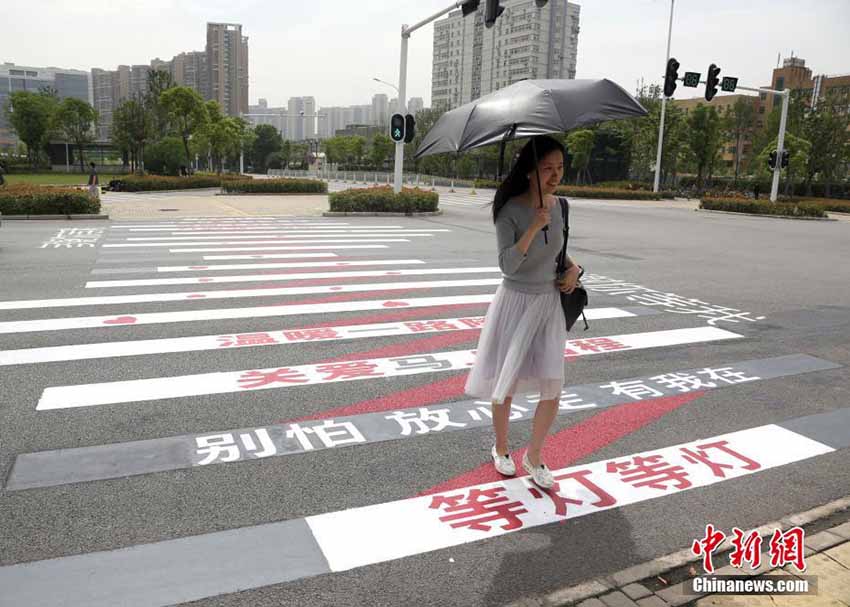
column 374, row 178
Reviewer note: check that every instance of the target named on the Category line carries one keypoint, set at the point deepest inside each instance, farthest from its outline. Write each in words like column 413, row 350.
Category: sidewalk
column 661, row 582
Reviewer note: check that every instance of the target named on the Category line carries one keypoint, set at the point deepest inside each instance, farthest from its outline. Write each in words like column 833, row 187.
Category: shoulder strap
column 565, row 213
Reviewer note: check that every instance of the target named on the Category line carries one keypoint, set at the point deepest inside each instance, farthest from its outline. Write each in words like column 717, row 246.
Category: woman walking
column 521, row 347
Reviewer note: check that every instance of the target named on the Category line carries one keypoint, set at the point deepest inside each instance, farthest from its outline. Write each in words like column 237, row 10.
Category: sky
column 332, row 49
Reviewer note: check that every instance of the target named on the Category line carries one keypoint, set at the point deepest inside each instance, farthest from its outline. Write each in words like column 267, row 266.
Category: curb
column 766, row 216
column 24, row 217
column 628, row 586
column 359, row 214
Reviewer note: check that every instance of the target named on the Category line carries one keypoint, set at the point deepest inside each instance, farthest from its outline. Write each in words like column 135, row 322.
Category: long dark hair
column 517, row 180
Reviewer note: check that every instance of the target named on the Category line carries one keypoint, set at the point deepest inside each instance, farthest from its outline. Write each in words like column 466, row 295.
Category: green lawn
column 57, row 179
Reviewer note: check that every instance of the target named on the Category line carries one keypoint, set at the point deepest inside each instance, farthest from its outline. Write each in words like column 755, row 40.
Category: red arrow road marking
column 581, row 440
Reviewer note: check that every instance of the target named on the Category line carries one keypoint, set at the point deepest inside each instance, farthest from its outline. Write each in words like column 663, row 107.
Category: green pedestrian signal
column 692, row 79
column 397, row 128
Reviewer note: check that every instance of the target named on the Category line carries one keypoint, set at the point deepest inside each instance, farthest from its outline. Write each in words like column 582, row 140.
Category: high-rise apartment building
column 526, row 42
column 66, row 83
column 220, row 72
column 227, row 67
column 380, row 110
column 301, row 118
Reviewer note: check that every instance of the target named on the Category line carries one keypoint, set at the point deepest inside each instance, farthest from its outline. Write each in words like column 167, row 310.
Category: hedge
column 745, row 185
column 275, row 186
column 487, row 183
column 758, row 207
column 610, row 193
column 154, row 183
column 26, row 199
column 828, row 204
column 383, row 200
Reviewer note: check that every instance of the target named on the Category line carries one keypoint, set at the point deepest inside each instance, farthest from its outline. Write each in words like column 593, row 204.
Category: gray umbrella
column 528, row 108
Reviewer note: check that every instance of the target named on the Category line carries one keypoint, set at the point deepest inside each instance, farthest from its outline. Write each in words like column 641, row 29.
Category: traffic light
column 397, row 127
column 670, row 77
column 541, row 3
column 492, row 12
column 771, row 160
column 469, row 7
column 786, row 156
column 409, row 128
column 711, row 82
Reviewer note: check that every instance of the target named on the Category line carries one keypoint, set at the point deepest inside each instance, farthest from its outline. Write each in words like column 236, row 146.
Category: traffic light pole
column 780, row 141
column 402, row 86
column 663, row 108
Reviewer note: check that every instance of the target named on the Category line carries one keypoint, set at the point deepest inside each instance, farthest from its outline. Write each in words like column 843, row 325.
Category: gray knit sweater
column 533, row 272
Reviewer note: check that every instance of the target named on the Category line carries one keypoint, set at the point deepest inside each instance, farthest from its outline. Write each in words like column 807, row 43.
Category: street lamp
column 387, row 83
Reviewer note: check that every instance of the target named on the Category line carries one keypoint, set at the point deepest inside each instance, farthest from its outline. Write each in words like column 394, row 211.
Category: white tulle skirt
column 521, row 347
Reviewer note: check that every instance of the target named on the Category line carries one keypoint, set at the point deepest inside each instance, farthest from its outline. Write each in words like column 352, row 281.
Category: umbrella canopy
column 528, row 108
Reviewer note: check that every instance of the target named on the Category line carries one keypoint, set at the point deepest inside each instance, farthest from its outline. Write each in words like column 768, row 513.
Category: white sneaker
column 504, row 463
column 540, row 475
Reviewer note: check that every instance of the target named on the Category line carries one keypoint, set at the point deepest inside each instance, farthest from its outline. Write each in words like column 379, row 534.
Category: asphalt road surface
column 270, row 410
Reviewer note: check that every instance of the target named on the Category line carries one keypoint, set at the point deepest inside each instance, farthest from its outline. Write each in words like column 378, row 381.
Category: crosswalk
column 339, row 304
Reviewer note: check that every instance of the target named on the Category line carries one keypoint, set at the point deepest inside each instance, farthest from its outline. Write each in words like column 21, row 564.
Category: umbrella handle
column 539, row 189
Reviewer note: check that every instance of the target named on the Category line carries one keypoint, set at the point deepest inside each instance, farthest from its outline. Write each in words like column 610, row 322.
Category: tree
column 267, row 142
column 131, row 129
column 187, row 113
column 579, row 145
column 825, row 128
column 76, row 120
column 31, row 117
column 704, row 139
column 739, row 123
column 159, row 81
column 286, row 153
column 165, row 156
column 799, row 150
column 223, row 135
column 381, row 148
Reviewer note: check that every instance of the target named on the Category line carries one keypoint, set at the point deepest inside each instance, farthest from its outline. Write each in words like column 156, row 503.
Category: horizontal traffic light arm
column 763, row 89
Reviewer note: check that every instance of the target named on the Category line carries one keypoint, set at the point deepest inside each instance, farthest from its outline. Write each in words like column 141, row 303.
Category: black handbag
column 575, row 302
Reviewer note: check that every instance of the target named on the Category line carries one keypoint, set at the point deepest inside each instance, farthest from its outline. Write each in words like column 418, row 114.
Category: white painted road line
column 286, row 234
column 292, row 264
column 293, row 248
column 270, row 242
column 159, row 282
column 239, row 293
column 171, row 572
column 124, row 320
column 293, row 255
column 87, row 395
column 234, row 341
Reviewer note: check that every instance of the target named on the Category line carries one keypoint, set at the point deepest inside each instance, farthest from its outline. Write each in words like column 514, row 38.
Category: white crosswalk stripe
column 348, row 333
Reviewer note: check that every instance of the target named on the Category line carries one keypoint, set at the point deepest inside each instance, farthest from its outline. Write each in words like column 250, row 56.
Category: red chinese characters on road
column 311, row 334
column 251, row 380
column 479, row 508
column 246, row 339
column 604, row 499
column 701, row 457
column 430, row 325
column 349, row 370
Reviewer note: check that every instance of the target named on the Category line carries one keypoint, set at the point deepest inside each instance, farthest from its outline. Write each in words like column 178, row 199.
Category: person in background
column 94, row 182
